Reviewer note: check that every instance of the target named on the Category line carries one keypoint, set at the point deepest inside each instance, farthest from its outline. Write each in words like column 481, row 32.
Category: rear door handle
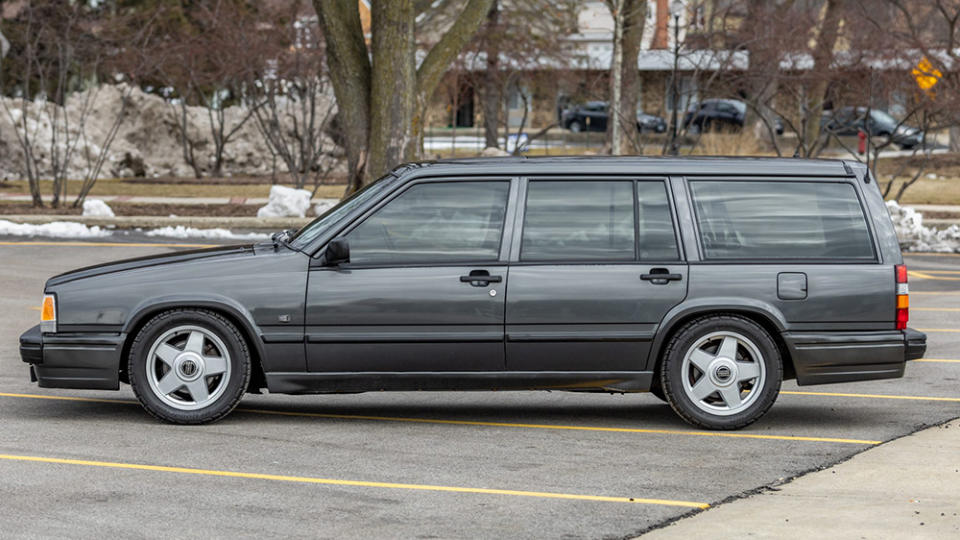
column 660, row 276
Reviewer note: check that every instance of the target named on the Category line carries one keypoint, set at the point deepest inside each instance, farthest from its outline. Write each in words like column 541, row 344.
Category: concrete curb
column 153, row 222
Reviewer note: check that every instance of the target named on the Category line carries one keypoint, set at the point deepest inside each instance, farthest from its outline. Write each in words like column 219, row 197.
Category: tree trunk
column 490, row 94
column 349, row 68
column 955, row 139
column 393, row 85
column 822, row 58
column 624, row 75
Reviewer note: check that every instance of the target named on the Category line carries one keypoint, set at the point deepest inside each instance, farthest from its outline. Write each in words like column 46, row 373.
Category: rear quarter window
column 780, row 220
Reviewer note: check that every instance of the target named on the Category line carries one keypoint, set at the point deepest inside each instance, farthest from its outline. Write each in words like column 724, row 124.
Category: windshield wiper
column 282, row 238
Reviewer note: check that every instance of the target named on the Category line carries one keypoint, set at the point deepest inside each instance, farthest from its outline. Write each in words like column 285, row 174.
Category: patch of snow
column 914, row 236
column 56, row 229
column 97, row 208
column 493, row 151
column 324, row 205
column 286, row 202
column 212, row 234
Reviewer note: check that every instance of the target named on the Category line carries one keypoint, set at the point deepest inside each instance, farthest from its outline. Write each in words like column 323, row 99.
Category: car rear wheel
column 189, row 366
column 721, row 372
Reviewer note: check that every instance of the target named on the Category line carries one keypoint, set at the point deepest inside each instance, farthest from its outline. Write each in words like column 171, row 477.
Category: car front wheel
column 575, row 127
column 189, row 366
column 721, row 372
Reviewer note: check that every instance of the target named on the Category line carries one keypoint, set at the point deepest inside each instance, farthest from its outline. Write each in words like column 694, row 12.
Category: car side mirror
column 338, row 252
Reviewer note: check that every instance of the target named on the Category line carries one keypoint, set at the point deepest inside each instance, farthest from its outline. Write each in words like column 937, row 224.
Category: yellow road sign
column 926, row 75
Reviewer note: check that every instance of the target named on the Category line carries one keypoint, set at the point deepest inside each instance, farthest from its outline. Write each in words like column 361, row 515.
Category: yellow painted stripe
column 945, row 360
column 35, row 308
column 938, row 293
column 871, row 396
column 355, row 483
column 922, row 275
column 939, row 329
column 930, row 254
column 738, row 435
column 106, row 244
column 926, row 271
column 934, row 309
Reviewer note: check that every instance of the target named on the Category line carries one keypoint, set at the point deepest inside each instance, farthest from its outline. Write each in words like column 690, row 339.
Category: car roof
column 633, row 165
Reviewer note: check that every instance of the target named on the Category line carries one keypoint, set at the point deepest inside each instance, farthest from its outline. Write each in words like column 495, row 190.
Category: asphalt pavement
column 432, row 465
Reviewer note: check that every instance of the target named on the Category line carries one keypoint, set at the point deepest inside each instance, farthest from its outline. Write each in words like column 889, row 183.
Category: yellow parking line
column 934, row 309
column 939, row 329
column 926, row 271
column 355, row 483
column 737, row 435
column 871, row 396
column 938, row 293
column 106, row 244
column 946, row 360
column 923, row 275
column 931, row 254
column 35, row 308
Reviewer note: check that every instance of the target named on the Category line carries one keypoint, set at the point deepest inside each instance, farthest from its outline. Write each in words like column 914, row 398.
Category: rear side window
column 780, row 220
column 571, row 220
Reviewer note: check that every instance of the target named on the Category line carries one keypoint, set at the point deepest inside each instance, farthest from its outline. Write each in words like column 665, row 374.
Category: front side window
column 434, row 223
column 780, row 220
column 578, row 220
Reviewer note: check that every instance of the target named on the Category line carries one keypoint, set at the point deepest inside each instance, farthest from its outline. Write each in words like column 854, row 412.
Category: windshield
column 317, row 227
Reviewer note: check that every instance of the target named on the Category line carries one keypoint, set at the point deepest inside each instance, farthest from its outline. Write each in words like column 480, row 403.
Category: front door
column 424, row 288
column 596, row 270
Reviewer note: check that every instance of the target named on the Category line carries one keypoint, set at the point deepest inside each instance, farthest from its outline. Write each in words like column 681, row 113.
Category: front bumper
column 85, row 361
column 833, row 357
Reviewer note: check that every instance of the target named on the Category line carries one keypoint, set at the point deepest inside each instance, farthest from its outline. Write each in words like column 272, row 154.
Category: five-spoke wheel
column 721, row 372
column 189, row 366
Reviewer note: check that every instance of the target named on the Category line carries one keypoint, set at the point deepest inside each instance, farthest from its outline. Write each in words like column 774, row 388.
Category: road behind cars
column 519, row 464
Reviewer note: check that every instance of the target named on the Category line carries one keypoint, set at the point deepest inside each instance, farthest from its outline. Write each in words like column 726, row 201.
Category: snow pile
column 148, row 139
column 56, row 229
column 324, row 205
column 914, row 236
column 211, row 234
column 97, row 208
column 286, row 202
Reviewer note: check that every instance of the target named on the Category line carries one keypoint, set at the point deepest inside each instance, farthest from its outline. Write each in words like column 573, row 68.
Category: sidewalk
column 907, row 488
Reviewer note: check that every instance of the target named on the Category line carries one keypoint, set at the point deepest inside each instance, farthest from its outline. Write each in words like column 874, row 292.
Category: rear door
column 595, row 267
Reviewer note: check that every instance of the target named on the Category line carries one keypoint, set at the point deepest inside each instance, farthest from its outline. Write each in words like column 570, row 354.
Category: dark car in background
column 720, row 115
column 848, row 121
column 593, row 115
column 704, row 281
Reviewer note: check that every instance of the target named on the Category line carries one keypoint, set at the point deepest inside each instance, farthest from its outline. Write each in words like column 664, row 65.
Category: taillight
column 903, row 298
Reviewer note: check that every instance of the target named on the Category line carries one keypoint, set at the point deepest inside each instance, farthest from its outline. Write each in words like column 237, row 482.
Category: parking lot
column 520, row 464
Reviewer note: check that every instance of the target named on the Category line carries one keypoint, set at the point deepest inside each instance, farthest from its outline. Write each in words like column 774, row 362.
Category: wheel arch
column 765, row 315
column 227, row 308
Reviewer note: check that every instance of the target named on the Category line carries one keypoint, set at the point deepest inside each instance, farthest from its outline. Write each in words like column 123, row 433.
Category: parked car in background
column 720, row 115
column 592, row 116
column 704, row 281
column 848, row 121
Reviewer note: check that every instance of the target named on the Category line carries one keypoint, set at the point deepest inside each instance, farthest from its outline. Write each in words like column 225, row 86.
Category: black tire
column 761, row 391
column 657, row 392
column 575, row 126
column 233, row 381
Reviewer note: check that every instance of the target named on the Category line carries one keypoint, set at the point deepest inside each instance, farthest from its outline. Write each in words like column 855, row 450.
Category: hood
column 149, row 261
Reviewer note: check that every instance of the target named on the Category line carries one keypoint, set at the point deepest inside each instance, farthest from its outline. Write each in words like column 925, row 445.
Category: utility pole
column 676, row 7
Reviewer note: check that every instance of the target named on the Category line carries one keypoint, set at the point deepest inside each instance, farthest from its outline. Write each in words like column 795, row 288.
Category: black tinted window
column 578, row 221
column 657, row 240
column 437, row 222
column 780, row 220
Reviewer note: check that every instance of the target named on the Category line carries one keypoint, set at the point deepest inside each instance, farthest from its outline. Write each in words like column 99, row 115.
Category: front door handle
column 660, row 276
column 480, row 278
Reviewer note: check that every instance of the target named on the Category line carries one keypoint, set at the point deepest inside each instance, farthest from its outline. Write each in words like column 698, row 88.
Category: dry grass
column 729, row 144
column 928, row 191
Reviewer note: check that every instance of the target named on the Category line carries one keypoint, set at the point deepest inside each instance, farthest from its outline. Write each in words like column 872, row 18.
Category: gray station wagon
column 704, row 281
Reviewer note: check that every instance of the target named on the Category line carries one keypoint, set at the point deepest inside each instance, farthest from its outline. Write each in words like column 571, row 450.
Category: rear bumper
column 85, row 361
column 833, row 357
